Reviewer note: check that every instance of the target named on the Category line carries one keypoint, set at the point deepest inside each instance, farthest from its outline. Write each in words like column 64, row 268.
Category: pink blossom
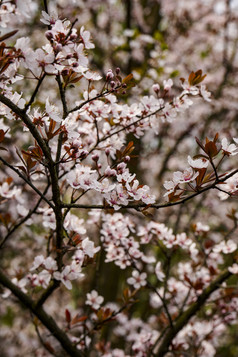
column 190, row 89
column 233, row 269
column 69, row 273
column 85, row 35
column 228, row 149
column 225, row 247
column 52, row 111
column 38, row 261
column 6, row 192
column 88, row 248
column 198, row 163
column 159, row 273
column 156, row 88
column 205, row 93
column 94, row 300
column 137, row 280
column 50, row 264
column 168, row 84
column 92, row 76
column 48, row 19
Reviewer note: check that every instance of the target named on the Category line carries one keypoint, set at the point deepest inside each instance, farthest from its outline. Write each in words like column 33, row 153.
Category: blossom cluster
column 195, row 176
column 83, row 156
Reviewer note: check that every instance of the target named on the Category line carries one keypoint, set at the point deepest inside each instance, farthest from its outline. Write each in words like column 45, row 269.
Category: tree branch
column 35, row 92
column 30, row 125
column 52, row 169
column 42, row 195
column 23, row 220
column 190, row 312
column 155, row 205
column 40, row 313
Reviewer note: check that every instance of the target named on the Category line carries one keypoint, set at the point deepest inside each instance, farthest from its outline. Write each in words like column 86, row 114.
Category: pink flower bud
column 83, row 154
column 95, row 157
column 156, row 88
column 121, row 167
column 73, row 37
column 110, row 172
column 48, row 35
column 107, row 151
column 109, row 75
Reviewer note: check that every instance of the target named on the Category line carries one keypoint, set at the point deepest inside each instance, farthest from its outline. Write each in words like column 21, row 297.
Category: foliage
column 118, row 179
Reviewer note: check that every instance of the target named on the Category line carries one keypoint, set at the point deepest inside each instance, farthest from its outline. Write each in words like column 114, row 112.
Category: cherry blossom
column 38, row 261
column 197, row 163
column 233, row 269
column 85, row 35
column 69, row 273
column 205, row 93
column 159, row 273
column 93, row 121
column 94, row 300
column 48, row 19
column 6, row 192
column 168, row 84
column 230, row 187
column 225, row 247
column 88, row 248
column 137, row 280
column 52, row 111
column 228, row 149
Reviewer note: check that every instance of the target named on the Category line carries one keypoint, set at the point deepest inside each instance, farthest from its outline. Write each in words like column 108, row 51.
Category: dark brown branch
column 62, row 96
column 65, row 113
column 40, row 313
column 190, row 312
column 47, row 293
column 34, row 93
column 52, row 169
column 104, row 94
column 45, row 6
column 155, row 205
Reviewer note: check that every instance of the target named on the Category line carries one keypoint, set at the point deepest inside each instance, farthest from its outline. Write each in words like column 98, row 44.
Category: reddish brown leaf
column 211, row 149
column 2, row 135
column 77, row 239
column 67, row 316
column 199, row 179
column 77, row 319
column 9, row 180
column 196, row 78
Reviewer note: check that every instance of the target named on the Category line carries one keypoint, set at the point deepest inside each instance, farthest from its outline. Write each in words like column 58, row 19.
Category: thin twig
column 155, row 205
column 27, row 181
column 23, row 220
column 34, row 93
